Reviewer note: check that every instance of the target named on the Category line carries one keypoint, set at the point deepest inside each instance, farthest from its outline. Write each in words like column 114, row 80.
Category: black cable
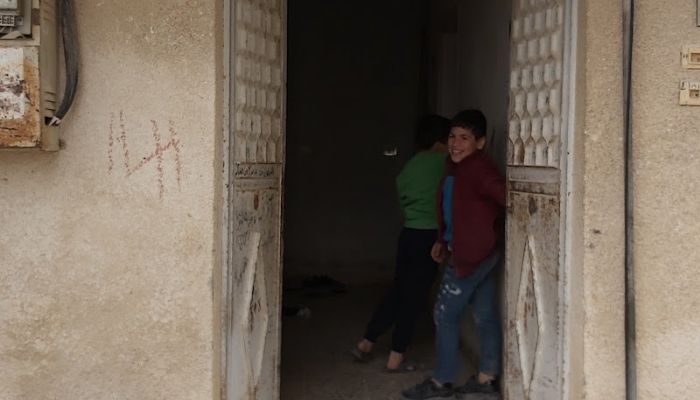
column 69, row 35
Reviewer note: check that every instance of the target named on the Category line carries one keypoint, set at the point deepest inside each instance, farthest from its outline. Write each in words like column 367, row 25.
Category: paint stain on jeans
column 453, row 289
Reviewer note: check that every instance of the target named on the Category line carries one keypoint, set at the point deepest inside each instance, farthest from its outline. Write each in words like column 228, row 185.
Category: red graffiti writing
column 156, row 156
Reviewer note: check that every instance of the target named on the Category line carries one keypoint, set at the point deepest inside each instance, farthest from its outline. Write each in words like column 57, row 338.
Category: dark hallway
column 360, row 74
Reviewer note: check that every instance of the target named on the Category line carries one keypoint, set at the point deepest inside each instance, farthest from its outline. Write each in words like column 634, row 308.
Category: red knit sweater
column 478, row 197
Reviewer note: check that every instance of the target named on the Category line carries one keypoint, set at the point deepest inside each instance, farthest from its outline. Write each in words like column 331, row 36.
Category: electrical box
column 690, row 57
column 689, row 93
column 28, row 74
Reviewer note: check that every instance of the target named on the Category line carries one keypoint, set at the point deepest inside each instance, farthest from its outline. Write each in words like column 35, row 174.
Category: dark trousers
column 415, row 273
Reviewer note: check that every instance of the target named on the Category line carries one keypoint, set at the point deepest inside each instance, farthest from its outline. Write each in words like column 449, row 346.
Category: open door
column 535, row 274
column 257, row 102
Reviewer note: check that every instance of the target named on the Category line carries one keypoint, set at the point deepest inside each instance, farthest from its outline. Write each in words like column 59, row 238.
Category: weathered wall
column 595, row 255
column 354, row 91
column 666, row 232
column 107, row 248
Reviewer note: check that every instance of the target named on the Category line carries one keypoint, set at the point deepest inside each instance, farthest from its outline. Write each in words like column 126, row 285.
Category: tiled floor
column 316, row 364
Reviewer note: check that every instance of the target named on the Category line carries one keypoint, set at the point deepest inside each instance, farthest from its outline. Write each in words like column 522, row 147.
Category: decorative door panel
column 533, row 355
column 257, row 154
column 532, row 287
column 537, row 62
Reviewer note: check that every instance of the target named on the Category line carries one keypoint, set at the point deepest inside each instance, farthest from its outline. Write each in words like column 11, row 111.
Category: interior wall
column 108, row 247
column 354, row 92
column 666, row 230
column 471, row 63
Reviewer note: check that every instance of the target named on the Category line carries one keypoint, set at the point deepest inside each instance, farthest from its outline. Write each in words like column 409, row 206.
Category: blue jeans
column 479, row 290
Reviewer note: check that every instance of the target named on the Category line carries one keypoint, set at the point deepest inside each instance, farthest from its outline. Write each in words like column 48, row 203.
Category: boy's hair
column 431, row 128
column 473, row 120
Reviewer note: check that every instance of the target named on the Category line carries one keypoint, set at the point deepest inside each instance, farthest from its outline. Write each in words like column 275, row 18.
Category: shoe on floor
column 428, row 390
column 473, row 386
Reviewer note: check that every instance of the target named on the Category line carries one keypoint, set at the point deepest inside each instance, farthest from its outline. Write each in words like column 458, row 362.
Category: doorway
column 513, row 59
column 359, row 77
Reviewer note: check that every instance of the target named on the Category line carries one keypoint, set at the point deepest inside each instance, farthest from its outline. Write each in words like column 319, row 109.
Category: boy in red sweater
column 470, row 198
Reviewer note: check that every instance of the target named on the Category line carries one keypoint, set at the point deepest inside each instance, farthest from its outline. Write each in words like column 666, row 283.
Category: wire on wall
column 66, row 15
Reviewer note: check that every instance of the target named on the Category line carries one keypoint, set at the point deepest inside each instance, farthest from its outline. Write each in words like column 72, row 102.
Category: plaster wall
column 108, row 247
column 666, row 231
column 595, row 341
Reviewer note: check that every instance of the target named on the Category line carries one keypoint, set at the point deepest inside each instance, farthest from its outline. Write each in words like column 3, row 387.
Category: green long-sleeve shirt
column 417, row 186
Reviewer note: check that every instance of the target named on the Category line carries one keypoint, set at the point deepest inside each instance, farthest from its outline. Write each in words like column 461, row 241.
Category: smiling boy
column 470, row 198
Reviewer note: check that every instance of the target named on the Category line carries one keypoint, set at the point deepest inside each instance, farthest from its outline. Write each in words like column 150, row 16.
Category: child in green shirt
column 417, row 185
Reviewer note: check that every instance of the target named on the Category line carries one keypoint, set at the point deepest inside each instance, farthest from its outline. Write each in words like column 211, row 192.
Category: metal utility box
column 28, row 74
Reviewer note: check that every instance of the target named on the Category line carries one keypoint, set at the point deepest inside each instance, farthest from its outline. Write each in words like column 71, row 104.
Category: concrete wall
column 107, row 248
column 353, row 91
column 603, row 234
column 595, row 341
column 666, row 231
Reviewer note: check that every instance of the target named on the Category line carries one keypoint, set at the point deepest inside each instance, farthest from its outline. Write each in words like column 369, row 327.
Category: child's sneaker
column 428, row 390
column 473, row 386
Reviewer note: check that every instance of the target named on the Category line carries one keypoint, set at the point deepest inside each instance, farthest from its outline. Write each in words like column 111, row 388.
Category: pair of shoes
column 361, row 356
column 473, row 386
column 428, row 390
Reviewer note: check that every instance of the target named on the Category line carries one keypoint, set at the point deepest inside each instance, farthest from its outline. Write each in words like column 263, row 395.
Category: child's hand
column 438, row 252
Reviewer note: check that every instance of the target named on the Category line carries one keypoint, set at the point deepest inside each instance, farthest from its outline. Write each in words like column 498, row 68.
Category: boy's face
column 462, row 143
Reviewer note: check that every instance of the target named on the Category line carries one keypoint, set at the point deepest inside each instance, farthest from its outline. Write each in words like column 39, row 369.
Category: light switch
column 690, row 93
column 690, row 57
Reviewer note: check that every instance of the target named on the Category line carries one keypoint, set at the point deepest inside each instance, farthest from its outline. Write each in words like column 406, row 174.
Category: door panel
column 537, row 63
column 532, row 287
column 257, row 154
column 533, row 354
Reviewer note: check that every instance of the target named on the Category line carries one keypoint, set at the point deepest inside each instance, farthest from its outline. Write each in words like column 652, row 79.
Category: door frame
column 570, row 299
column 226, row 288
column 570, row 302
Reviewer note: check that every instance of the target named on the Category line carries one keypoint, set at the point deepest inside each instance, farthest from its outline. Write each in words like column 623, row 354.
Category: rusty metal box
column 28, row 82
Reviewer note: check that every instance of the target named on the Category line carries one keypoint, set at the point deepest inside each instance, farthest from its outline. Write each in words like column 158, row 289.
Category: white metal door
column 535, row 308
column 257, row 152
